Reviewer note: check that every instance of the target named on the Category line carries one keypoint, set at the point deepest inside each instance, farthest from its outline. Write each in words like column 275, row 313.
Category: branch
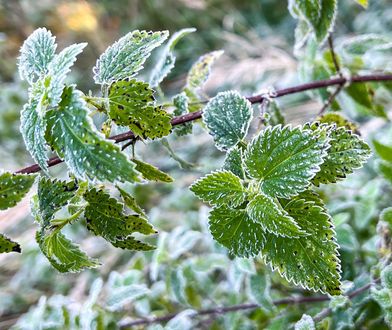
column 242, row 307
column 253, row 99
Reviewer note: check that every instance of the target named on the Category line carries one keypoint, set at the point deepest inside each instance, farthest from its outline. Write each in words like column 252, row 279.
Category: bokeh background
column 188, row 270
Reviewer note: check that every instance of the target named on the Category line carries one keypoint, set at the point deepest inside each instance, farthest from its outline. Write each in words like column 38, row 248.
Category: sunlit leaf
column 8, row 245
column 150, row 172
column 13, row 187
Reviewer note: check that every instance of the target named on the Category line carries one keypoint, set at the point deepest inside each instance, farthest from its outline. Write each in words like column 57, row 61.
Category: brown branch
column 253, row 99
column 243, row 307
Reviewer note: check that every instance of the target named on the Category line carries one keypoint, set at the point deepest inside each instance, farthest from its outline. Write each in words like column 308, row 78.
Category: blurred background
column 188, row 270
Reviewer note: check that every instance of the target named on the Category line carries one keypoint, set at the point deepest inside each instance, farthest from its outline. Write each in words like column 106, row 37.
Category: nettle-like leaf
column 220, row 188
column 339, row 120
column 200, row 71
column 132, row 104
column 233, row 162
column 7, row 245
column 227, row 117
column 13, row 187
column 35, row 55
column 235, row 230
column 348, row 152
column 63, row 254
column 126, row 56
column 131, row 202
column 273, row 219
column 150, row 172
column 181, row 102
column 285, row 159
column 167, row 58
column 105, row 217
column 73, row 136
column 311, row 261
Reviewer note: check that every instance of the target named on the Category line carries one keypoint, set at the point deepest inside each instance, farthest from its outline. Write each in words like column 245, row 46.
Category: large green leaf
column 227, row 117
column 220, row 188
column 273, row 219
column 236, row 231
column 285, row 159
column 132, row 104
column 8, row 245
column 150, row 172
column 348, row 152
column 88, row 155
column 105, row 217
column 35, row 55
column 63, row 254
column 311, row 261
column 13, row 187
column 126, row 56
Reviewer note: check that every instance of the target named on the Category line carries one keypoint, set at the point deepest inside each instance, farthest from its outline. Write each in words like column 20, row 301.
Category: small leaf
column 200, row 71
column 151, row 173
column 285, row 159
column 361, row 44
column 339, row 120
column 259, row 290
column 167, row 59
column 264, row 210
column 130, row 201
column 227, row 117
column 63, row 254
column 311, row 261
column 386, row 277
column 386, row 170
column 383, row 150
column 8, row 245
column 220, row 188
column 363, row 3
column 35, row 55
column 88, row 155
column 305, row 323
column 105, row 217
column 348, row 152
column 180, row 101
column 236, row 231
column 132, row 104
column 126, row 56
column 233, row 162
column 386, row 215
column 13, row 187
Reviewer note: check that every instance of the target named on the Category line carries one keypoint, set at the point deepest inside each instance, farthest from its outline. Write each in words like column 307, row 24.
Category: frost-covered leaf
column 310, row 261
column 200, row 71
column 105, row 217
column 58, row 70
column 236, row 231
column 274, row 115
column 259, row 289
column 272, row 218
column 63, row 254
column 35, row 55
column 88, row 155
column 347, row 152
column 167, row 58
column 227, row 117
column 383, row 150
column 132, row 104
column 181, row 101
column 8, row 245
column 233, row 162
column 305, row 323
column 130, row 202
column 220, row 188
column 126, row 56
column 386, row 277
column 361, row 44
column 150, row 172
column 285, row 159
column 13, row 187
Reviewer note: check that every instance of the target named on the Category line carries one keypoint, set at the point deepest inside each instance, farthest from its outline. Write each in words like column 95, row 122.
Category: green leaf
column 13, row 187
column 274, row 115
column 285, row 159
column 386, row 170
column 227, row 117
column 386, row 215
column 348, row 152
column 311, row 261
column 63, row 254
column 8, row 245
column 361, row 44
column 305, row 323
column 88, row 155
column 220, row 188
column 259, row 290
column 130, row 201
column 105, row 217
column 167, row 59
column 151, row 173
column 58, row 70
column 233, row 162
column 180, row 101
column 339, row 120
column 236, row 231
column 272, row 218
column 200, row 71
column 35, row 55
column 132, row 104
column 126, row 56
column 383, row 150
column 386, row 277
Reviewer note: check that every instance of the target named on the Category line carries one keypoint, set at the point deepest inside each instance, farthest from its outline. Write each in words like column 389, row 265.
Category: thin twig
column 331, row 98
column 253, row 99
